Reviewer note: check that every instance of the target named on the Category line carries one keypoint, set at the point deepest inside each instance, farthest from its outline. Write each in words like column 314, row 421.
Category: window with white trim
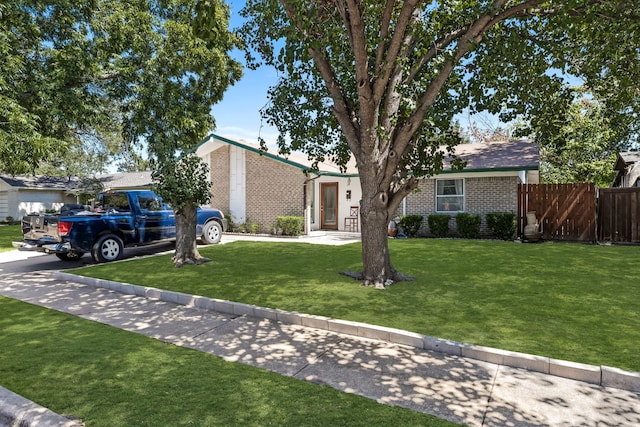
column 450, row 195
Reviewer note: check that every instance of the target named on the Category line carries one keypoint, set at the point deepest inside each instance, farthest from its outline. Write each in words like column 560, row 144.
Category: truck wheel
column 211, row 233
column 107, row 248
column 70, row 256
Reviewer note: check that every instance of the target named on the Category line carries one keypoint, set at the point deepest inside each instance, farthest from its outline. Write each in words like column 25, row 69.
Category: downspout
column 523, row 176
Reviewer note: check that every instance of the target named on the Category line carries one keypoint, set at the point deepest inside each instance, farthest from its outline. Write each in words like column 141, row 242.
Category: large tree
column 49, row 105
column 382, row 81
column 100, row 76
column 583, row 149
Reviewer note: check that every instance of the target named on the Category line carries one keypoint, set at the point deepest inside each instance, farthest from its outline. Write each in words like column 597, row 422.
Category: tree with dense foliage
column 170, row 73
column 48, row 101
column 382, row 81
column 184, row 182
column 112, row 75
column 584, row 149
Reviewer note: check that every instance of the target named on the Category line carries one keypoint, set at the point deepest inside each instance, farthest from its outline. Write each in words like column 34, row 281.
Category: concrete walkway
column 356, row 360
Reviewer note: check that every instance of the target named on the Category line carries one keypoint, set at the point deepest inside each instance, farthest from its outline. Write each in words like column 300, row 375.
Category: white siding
column 238, row 184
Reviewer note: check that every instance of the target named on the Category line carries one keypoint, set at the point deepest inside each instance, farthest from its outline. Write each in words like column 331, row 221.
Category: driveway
column 24, row 262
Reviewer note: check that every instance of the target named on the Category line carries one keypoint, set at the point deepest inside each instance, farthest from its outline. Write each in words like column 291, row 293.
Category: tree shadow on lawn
column 450, row 387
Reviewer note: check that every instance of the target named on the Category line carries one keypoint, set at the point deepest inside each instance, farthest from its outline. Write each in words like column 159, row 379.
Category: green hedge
column 411, row 224
column 439, row 224
column 502, row 224
column 290, row 225
column 468, row 225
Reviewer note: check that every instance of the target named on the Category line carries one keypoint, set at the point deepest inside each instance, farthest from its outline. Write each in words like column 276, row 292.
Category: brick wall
column 219, row 165
column 273, row 189
column 482, row 195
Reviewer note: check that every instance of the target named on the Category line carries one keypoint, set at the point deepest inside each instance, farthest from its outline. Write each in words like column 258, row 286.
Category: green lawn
column 109, row 377
column 567, row 301
column 8, row 234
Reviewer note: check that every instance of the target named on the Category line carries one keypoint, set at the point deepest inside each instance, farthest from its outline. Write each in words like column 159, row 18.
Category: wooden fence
column 619, row 215
column 564, row 211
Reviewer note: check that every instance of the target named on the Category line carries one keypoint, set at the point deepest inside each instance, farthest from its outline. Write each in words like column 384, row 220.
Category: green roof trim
column 511, row 169
column 300, row 166
column 307, row 169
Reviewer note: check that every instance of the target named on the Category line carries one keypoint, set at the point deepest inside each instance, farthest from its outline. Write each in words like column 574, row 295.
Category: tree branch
column 343, row 112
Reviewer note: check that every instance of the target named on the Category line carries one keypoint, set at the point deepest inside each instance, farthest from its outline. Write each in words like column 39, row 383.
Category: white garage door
column 4, row 205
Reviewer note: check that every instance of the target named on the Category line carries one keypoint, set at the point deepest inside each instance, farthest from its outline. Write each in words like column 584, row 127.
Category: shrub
column 439, row 224
column 411, row 224
column 502, row 224
column 232, row 226
column 290, row 225
column 468, row 225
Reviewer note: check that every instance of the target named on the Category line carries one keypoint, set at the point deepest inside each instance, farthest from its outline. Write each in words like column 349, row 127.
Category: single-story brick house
column 20, row 195
column 251, row 185
column 255, row 186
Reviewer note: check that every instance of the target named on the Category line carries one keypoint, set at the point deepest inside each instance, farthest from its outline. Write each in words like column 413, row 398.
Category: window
column 109, row 202
column 449, row 195
column 149, row 203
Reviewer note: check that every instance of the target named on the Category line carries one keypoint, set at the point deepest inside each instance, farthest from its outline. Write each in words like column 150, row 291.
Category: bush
column 411, row 224
column 255, row 227
column 468, row 225
column 290, row 225
column 439, row 224
column 502, row 224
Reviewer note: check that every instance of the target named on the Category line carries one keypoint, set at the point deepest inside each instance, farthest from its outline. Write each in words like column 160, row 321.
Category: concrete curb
column 15, row 410
column 598, row 375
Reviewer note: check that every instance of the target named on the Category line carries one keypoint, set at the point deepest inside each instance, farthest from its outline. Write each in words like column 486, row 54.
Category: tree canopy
column 96, row 78
column 85, row 80
column 382, row 80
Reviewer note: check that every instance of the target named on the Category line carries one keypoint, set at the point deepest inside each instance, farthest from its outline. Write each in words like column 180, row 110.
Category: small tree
column 184, row 184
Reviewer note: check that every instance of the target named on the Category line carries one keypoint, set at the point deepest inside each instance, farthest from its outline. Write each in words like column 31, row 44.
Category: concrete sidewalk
column 464, row 390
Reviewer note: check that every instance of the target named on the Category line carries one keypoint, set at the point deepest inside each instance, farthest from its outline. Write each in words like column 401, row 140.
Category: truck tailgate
column 40, row 228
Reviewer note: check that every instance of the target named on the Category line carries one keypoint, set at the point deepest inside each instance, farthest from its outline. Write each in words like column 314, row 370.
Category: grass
column 566, row 301
column 110, row 377
column 8, row 234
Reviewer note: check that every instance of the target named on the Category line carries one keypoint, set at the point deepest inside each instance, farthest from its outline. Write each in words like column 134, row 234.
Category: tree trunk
column 375, row 249
column 186, row 248
column 375, row 212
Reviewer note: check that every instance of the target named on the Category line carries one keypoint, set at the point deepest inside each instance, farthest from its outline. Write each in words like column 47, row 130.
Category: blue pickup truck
column 117, row 220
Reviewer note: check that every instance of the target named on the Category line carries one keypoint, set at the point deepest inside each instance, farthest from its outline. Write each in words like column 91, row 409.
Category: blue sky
column 238, row 114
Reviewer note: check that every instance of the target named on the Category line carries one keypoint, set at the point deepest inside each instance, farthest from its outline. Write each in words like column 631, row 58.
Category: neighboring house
column 20, row 195
column 126, row 181
column 627, row 169
column 255, row 186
